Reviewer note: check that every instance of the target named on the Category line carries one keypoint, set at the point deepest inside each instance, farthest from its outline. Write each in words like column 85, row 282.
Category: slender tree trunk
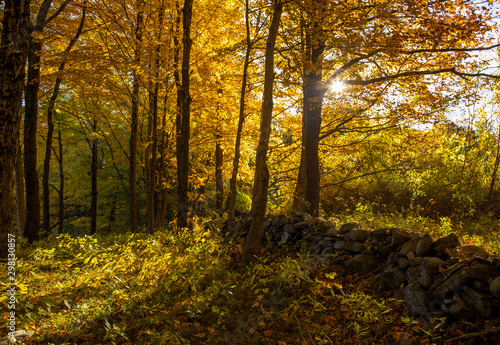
column 93, row 202
column 241, row 120
column 61, row 181
column 261, row 181
column 151, row 156
column 152, row 147
column 495, row 169
column 13, row 53
column 30, row 124
column 134, row 126
column 50, row 130
column 162, row 170
column 219, row 182
column 183, row 120
column 32, row 226
column 301, row 185
column 19, row 181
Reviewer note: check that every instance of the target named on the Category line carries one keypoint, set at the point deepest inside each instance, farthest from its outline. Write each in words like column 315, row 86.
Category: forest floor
column 189, row 288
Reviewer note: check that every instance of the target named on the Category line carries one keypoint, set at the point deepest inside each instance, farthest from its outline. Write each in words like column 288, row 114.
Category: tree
column 135, row 118
column 261, row 181
column 50, row 132
column 241, row 120
column 35, row 45
column 13, row 54
column 385, row 42
column 183, row 119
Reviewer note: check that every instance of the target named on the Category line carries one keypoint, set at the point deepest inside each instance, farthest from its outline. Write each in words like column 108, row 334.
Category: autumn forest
column 173, row 119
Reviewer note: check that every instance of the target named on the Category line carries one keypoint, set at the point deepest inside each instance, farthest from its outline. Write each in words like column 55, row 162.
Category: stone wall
column 436, row 278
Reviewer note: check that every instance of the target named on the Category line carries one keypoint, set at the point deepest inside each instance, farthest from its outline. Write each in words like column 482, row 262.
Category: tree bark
column 134, row 125
column 313, row 94
column 183, row 120
column 219, row 182
column 495, row 170
column 61, row 182
column 93, row 201
column 50, row 129
column 19, row 181
column 152, row 147
column 13, row 53
column 261, row 181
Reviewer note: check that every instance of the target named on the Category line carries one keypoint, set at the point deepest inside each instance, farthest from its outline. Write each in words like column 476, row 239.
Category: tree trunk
column 162, row 171
column 241, row 120
column 152, row 147
column 50, row 131
column 32, row 226
column 13, row 53
column 61, row 182
column 495, row 170
column 35, row 44
column 261, row 181
column 151, row 157
column 183, row 120
column 19, row 181
column 134, row 126
column 93, row 201
column 219, row 182
column 313, row 95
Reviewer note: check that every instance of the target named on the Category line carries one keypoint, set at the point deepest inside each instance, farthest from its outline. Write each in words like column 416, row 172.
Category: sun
column 337, row 86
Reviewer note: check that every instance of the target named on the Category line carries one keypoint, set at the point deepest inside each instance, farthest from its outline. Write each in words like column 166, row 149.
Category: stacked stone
column 436, row 278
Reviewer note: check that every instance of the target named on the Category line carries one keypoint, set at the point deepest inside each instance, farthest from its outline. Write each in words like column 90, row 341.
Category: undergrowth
column 187, row 287
column 482, row 229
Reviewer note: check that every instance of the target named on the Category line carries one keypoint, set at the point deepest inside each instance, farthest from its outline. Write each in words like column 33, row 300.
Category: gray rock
column 385, row 250
column 439, row 247
column 303, row 225
column 322, row 225
column 332, row 232
column 468, row 251
column 459, row 310
column 479, row 285
column 415, row 261
column 409, row 247
column 400, row 236
column 449, row 282
column 495, row 287
column 416, row 300
column 290, row 229
column 429, row 270
column 345, row 228
column 358, row 235
column 328, row 250
column 339, row 245
column 413, row 275
column 362, row 264
column 403, row 263
column 424, row 246
column 354, row 247
column 277, row 235
column 285, row 237
column 484, row 271
column 381, row 234
column 477, row 301
column 386, row 281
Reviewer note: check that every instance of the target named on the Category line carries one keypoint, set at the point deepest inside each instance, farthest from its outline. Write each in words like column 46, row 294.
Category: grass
column 180, row 287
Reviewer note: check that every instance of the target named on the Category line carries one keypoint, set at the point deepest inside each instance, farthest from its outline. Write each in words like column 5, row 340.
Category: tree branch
column 56, row 13
column 418, row 73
